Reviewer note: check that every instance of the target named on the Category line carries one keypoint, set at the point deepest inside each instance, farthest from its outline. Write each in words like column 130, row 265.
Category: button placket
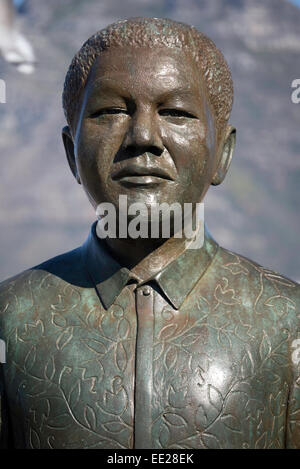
column 144, row 368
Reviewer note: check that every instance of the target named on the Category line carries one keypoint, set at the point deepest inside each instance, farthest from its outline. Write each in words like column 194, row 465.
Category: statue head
column 147, row 101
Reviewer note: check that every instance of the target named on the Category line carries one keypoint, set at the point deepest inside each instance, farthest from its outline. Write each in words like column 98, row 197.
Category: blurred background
column 255, row 212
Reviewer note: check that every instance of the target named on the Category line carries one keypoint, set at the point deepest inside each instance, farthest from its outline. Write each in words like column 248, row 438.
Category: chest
column 143, row 374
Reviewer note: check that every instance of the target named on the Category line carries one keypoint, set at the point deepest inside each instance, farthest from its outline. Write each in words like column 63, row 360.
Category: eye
column 176, row 113
column 108, row 111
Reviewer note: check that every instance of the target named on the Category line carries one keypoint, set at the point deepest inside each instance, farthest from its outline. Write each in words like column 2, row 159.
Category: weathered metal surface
column 142, row 343
column 221, row 375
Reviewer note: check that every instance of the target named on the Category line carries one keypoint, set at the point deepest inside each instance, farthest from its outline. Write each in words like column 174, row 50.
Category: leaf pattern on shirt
column 230, row 378
column 222, row 370
column 59, row 367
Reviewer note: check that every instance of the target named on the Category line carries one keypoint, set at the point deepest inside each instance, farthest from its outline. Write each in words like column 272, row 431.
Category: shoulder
column 241, row 267
column 39, row 281
column 263, row 288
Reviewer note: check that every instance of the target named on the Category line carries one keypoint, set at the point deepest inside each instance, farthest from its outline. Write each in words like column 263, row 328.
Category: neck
column 130, row 252
column 145, row 259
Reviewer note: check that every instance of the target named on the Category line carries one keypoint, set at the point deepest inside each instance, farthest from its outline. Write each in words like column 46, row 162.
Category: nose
column 143, row 134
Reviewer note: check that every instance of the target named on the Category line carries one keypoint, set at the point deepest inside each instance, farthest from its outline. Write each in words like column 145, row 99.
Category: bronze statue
column 143, row 343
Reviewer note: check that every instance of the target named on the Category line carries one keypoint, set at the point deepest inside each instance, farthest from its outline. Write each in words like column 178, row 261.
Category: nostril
column 136, row 150
column 155, row 150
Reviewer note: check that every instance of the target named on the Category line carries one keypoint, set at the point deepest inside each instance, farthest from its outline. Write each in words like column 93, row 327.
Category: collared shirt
column 199, row 355
column 161, row 294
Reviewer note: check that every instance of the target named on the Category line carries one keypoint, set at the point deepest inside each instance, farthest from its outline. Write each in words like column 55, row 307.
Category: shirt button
column 146, row 291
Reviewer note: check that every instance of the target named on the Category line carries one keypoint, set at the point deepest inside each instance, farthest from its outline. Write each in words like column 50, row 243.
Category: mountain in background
column 43, row 212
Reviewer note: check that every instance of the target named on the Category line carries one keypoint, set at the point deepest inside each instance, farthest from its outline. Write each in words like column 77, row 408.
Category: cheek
column 188, row 146
column 97, row 145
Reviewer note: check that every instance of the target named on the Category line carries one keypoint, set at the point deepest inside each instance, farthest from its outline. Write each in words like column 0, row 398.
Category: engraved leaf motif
column 201, row 418
column 191, row 442
column 60, row 421
column 74, row 394
column 210, row 441
column 167, row 331
column 92, row 317
column 215, row 397
column 247, row 365
column 117, row 384
column 32, row 330
column 36, row 389
column 281, row 360
column 281, row 305
column 95, row 345
column 201, row 379
column 261, row 442
column 177, row 397
column 190, row 339
column 171, row 357
column 225, row 296
column 269, row 375
column 123, row 328
column 64, row 338
column 34, row 439
column 265, row 347
column 174, row 419
column 236, row 268
column 30, row 358
column 115, row 403
column 158, row 350
column 60, row 305
column 276, row 403
column 117, row 311
column 58, row 320
column 203, row 307
column 50, row 368
column 202, row 358
column 63, row 374
column 121, row 357
column 233, row 397
column 241, row 331
column 113, row 426
column 224, row 340
column 90, row 417
column 167, row 314
column 43, row 413
column 255, row 408
column 295, row 415
column 164, row 435
column 51, row 441
column 279, row 279
column 231, row 422
column 109, row 324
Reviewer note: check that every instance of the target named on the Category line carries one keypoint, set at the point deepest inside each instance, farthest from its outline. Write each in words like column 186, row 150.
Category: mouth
column 134, row 175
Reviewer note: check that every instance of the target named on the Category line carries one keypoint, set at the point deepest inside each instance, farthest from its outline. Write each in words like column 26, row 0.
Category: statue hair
column 154, row 32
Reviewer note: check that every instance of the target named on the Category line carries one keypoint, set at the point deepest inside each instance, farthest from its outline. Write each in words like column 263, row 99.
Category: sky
column 295, row 2
column 19, row 3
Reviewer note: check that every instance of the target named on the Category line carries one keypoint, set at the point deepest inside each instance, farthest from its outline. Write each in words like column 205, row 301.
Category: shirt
column 203, row 354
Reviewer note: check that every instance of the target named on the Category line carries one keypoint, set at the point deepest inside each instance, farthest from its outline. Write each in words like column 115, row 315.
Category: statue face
column 144, row 129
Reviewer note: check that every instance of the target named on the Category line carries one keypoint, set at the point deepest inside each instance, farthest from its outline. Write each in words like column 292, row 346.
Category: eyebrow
column 114, row 86
column 108, row 83
column 177, row 92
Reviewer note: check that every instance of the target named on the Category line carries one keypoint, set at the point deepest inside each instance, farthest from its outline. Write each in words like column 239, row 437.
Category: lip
column 146, row 180
column 141, row 175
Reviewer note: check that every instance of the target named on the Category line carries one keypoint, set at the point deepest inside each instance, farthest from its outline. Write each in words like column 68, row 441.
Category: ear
column 69, row 148
column 226, row 149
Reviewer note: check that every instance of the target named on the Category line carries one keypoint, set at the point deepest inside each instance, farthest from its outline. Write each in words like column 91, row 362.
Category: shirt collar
column 176, row 280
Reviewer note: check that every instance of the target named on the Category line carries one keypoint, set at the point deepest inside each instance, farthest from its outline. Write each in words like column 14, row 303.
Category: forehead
column 151, row 71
